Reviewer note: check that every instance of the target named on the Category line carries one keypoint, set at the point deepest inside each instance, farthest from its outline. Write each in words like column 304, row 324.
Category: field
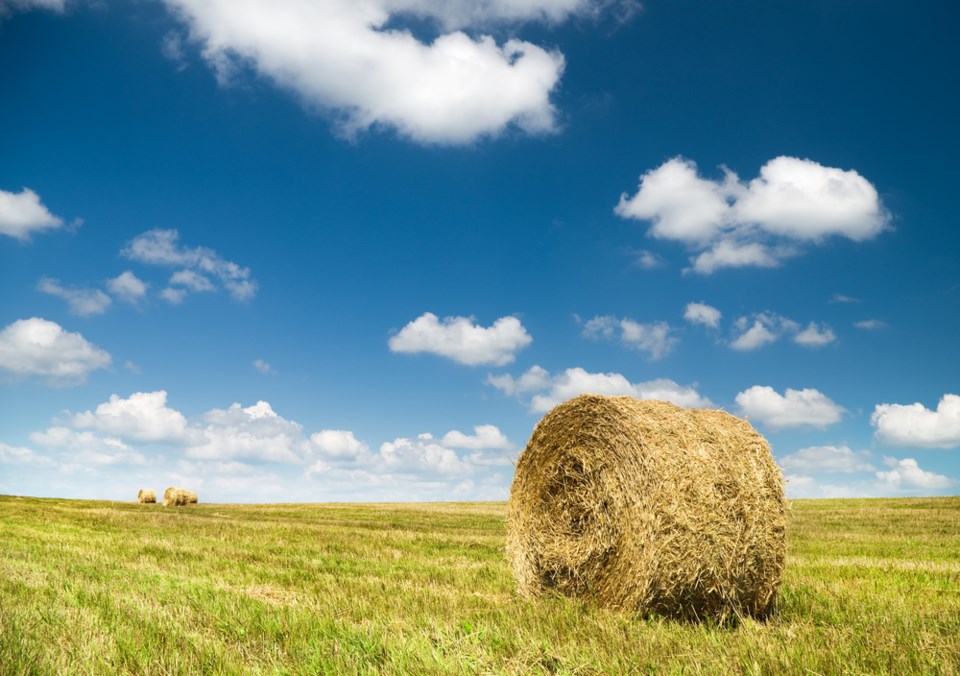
column 872, row 586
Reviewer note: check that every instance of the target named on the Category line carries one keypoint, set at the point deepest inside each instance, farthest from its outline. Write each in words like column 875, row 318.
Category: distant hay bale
column 648, row 507
column 176, row 497
column 146, row 495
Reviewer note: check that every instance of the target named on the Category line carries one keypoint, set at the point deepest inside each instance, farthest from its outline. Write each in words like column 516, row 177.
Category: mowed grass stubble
column 99, row 587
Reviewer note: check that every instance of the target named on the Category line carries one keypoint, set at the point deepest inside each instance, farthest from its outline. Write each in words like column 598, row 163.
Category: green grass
column 872, row 586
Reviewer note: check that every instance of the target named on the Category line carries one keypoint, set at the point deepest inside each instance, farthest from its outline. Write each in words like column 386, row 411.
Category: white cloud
column 40, row 347
column 22, row 214
column 653, row 338
column 795, row 408
column 82, row 302
column 173, row 296
column 197, row 266
column 731, row 223
column 827, row 459
column 143, row 416
column 815, row 335
column 191, row 280
column 760, row 329
column 127, row 287
column 263, row 367
column 841, row 298
column 86, row 448
column 763, row 331
column 483, row 437
column 574, row 381
column 916, row 425
column 647, row 259
column 871, row 324
column 338, row 444
column 730, row 253
column 423, row 455
column 350, row 57
column 20, row 455
column 459, row 339
column 534, row 379
column 701, row 313
column 252, row 433
column 906, row 474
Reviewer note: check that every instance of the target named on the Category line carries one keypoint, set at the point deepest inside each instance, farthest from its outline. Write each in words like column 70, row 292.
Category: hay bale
column 648, row 507
column 176, row 497
column 146, row 495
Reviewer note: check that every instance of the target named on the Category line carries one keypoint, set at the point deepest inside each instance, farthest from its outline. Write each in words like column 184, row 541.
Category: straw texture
column 648, row 507
column 146, row 495
column 176, row 497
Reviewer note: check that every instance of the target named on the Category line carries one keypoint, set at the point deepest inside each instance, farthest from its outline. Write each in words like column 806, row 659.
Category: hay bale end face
column 176, row 497
column 648, row 507
column 146, row 495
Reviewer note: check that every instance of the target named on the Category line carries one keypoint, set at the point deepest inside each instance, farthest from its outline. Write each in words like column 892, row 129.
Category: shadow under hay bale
column 177, row 497
column 648, row 507
column 146, row 495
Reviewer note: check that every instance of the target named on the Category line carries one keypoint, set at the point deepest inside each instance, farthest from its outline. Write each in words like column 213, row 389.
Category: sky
column 353, row 250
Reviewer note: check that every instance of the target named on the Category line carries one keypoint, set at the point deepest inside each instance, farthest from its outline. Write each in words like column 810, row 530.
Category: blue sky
column 354, row 250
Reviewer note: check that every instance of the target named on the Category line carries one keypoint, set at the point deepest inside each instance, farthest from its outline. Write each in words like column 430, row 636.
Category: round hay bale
column 648, row 507
column 176, row 497
column 170, row 497
column 146, row 495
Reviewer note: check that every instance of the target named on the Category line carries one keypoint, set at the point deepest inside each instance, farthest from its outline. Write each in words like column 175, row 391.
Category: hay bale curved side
column 177, row 497
column 146, row 495
column 645, row 506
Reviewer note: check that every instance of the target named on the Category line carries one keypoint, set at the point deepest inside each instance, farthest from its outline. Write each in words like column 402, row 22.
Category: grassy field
column 872, row 586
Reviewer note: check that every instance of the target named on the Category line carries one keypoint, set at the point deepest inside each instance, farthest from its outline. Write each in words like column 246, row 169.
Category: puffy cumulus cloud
column 459, row 339
column 794, row 408
column 906, row 474
column 653, row 338
column 40, row 347
column 730, row 223
column 553, row 390
column 763, row 328
column 252, row 433
column 86, row 449
column 198, row 266
column 82, row 302
column 354, row 59
column 916, row 425
column 143, row 416
column 701, row 313
column 827, row 460
column 759, row 330
column 421, row 455
column 127, row 287
column 21, row 213
column 483, row 437
column 730, row 253
column 534, row 379
column 815, row 335
column 338, row 444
